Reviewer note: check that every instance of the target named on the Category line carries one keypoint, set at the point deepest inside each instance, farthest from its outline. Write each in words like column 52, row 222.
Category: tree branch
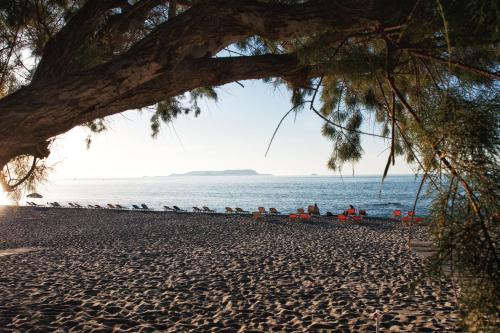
column 61, row 49
column 455, row 63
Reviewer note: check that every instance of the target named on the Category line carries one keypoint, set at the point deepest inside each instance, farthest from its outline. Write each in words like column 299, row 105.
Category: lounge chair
column 351, row 211
column 342, row 217
column 119, row 206
column 145, row 207
column 136, row 207
column 178, row 210
column 304, row 216
column 273, row 211
column 197, row 210
column 411, row 213
column 71, row 205
column 292, row 216
column 168, row 209
column 55, row 204
column 256, row 215
column 407, row 220
column 91, row 206
column 241, row 211
column 362, row 212
column 397, row 214
column 262, row 210
column 98, row 207
column 300, row 211
column 357, row 218
column 110, row 206
column 229, row 210
column 208, row 210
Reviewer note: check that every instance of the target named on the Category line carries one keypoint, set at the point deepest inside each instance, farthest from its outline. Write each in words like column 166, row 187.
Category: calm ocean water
column 331, row 193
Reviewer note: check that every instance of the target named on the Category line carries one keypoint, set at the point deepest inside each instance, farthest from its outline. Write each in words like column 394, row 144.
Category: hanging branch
column 483, row 72
column 441, row 156
column 10, row 187
column 345, row 128
column 172, row 9
column 279, row 124
column 403, row 136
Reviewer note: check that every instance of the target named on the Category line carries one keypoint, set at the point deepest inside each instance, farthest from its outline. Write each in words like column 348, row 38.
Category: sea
column 285, row 193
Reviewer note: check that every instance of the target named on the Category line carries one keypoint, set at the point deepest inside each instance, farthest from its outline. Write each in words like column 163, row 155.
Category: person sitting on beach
column 351, row 208
column 316, row 209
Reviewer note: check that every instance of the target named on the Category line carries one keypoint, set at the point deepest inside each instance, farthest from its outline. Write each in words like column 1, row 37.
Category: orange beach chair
column 397, row 214
column 342, row 217
column 305, row 217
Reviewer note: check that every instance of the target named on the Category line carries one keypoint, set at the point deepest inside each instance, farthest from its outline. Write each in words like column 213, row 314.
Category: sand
column 121, row 271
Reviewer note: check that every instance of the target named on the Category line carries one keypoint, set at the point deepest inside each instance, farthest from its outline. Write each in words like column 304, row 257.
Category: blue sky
column 230, row 134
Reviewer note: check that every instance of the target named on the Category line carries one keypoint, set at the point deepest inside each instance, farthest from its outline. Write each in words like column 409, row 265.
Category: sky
column 232, row 133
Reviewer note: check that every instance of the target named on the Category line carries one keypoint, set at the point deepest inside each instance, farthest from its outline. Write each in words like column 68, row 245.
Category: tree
column 428, row 70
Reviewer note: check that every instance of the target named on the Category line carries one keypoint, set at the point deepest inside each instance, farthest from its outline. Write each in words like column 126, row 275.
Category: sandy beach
column 123, row 271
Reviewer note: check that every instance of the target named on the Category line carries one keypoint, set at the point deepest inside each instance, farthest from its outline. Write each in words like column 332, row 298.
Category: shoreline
column 103, row 270
column 151, row 210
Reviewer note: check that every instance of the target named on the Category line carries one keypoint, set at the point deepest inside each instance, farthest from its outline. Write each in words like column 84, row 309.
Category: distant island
column 242, row 172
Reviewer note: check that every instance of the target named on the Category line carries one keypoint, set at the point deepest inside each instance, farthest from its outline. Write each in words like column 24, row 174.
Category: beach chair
column 256, row 215
column 119, row 206
column 98, row 207
column 197, row 210
column 71, row 205
column 419, row 219
column 362, row 212
column 357, row 218
column 262, row 210
column 208, row 210
column 168, row 209
column 241, row 211
column 342, row 217
column 300, row 211
column 397, row 214
column 273, row 211
column 178, row 210
column 145, row 207
column 229, row 210
column 351, row 211
column 136, row 207
column 77, row 205
column 55, row 204
column 110, row 206
column 411, row 213
column 304, row 217
column 407, row 220
column 292, row 216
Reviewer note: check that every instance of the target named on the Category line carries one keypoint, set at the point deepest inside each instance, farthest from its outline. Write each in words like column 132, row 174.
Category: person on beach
column 346, row 212
column 316, row 209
